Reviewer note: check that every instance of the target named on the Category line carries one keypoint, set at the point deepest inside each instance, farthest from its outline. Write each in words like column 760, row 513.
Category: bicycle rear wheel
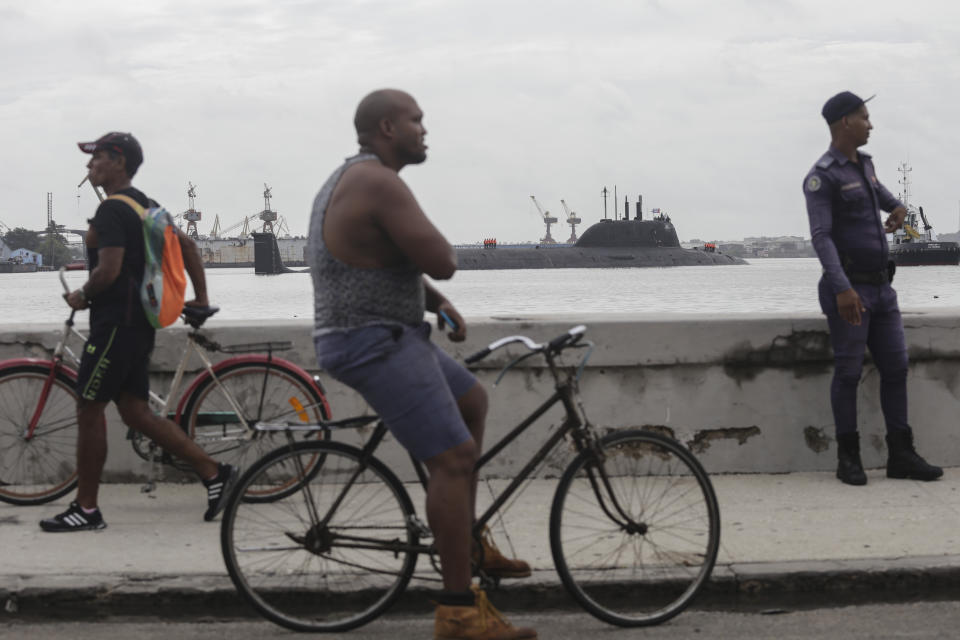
column 269, row 393
column 44, row 467
column 635, row 531
column 332, row 555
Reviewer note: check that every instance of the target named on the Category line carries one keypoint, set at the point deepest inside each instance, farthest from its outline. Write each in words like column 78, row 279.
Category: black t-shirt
column 117, row 225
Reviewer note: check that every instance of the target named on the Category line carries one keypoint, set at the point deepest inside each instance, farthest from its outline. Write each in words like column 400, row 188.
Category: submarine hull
column 606, row 244
column 587, row 257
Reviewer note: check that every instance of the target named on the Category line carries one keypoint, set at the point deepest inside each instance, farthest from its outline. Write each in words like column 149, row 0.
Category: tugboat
column 911, row 246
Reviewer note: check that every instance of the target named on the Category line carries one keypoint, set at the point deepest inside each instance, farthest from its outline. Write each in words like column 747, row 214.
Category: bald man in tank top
column 370, row 245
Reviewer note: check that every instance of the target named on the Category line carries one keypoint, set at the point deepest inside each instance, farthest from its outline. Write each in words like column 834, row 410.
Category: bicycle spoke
column 649, row 567
column 263, row 393
column 41, row 467
column 347, row 563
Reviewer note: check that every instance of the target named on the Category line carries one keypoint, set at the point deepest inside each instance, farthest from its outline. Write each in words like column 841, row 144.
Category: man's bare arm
column 399, row 215
column 194, row 267
column 109, row 263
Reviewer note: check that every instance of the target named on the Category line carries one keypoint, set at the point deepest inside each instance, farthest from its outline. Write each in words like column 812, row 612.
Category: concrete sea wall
column 746, row 393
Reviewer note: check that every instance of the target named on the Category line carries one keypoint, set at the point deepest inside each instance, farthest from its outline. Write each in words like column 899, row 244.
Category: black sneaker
column 218, row 489
column 74, row 519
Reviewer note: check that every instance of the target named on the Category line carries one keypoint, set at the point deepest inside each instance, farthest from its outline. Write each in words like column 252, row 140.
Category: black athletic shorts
column 115, row 359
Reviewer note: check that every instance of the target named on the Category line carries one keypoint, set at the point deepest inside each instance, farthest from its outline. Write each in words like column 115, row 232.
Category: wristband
column 83, row 294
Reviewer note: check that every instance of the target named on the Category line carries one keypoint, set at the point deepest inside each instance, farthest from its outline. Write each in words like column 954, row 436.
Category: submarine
column 619, row 243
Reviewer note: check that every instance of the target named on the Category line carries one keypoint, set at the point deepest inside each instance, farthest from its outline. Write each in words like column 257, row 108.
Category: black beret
column 842, row 104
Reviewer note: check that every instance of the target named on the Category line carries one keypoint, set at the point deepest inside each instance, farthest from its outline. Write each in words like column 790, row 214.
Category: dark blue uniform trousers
column 880, row 330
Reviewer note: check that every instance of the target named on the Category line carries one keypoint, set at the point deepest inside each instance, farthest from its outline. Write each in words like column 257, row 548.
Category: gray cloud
column 710, row 110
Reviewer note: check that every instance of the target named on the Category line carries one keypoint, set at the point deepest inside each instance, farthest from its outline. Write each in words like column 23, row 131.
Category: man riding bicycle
column 369, row 246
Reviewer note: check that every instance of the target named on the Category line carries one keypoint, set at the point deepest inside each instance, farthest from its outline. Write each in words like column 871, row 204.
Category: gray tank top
column 346, row 297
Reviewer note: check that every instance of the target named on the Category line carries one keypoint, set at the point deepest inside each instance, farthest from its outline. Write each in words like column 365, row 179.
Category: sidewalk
column 792, row 534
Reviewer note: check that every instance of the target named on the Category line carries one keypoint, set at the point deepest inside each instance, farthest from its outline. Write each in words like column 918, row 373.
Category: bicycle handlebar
column 196, row 316
column 63, row 279
column 556, row 345
column 193, row 316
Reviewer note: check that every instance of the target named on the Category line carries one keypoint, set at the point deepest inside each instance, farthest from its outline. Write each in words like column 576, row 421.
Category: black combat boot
column 849, row 467
column 904, row 462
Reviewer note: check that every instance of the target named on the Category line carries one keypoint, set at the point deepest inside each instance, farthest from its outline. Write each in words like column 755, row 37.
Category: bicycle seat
column 196, row 316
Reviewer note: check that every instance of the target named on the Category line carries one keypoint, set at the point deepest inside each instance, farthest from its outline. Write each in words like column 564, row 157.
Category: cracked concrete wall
column 746, row 393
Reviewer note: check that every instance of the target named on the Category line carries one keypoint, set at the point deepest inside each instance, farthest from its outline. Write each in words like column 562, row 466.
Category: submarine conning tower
column 630, row 233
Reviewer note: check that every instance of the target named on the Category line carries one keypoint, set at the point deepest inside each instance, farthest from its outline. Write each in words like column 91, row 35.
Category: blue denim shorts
column 409, row 381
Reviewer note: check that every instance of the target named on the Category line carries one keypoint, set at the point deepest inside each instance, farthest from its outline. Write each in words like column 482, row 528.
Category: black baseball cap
column 123, row 143
column 842, row 104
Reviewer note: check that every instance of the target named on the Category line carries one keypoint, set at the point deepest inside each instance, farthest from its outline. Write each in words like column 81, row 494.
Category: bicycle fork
column 589, row 443
column 48, row 383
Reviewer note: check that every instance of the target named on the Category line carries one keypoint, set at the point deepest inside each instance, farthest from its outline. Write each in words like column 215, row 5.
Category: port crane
column 267, row 215
column 573, row 220
column 216, row 231
column 243, row 225
column 547, row 220
column 191, row 215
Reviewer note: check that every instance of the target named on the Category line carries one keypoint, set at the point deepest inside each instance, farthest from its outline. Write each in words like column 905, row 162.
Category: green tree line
column 53, row 246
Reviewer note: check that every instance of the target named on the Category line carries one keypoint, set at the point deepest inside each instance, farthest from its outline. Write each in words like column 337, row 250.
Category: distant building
column 4, row 251
column 25, row 256
column 779, row 247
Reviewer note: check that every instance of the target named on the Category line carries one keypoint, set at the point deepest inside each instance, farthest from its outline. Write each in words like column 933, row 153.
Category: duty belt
column 881, row 276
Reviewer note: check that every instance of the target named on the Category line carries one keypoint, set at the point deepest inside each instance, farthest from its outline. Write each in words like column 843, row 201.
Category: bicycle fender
column 248, row 359
column 41, row 362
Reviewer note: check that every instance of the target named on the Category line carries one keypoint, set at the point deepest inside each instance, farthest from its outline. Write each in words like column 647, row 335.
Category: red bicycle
column 221, row 409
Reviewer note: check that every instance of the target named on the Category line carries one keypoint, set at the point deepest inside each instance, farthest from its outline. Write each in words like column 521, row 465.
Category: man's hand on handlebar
column 77, row 300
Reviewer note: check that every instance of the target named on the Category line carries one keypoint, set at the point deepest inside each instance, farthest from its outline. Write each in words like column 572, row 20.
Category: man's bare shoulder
column 372, row 175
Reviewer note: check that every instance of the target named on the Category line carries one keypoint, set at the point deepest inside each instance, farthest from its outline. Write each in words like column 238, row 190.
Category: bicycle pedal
column 488, row 582
column 420, row 527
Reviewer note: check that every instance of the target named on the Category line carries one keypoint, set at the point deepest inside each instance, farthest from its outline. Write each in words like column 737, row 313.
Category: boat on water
column 913, row 246
column 624, row 242
column 18, row 267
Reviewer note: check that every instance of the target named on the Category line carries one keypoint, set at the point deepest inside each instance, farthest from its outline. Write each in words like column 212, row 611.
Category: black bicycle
column 634, row 525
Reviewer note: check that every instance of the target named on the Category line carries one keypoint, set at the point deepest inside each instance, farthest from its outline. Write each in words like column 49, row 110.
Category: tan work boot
column 479, row 622
column 495, row 564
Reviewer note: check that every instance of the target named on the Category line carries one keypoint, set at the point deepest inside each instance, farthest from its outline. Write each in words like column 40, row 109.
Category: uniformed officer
column 843, row 202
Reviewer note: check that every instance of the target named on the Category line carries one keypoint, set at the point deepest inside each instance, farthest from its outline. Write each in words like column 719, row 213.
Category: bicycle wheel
column 44, row 467
column 331, row 556
column 269, row 393
column 635, row 531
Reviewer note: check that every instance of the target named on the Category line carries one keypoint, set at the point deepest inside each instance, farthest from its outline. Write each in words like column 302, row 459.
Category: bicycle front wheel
column 37, row 468
column 267, row 393
column 635, row 528
column 332, row 555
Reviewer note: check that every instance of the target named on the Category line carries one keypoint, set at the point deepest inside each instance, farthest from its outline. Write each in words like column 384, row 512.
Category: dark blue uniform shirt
column 843, row 202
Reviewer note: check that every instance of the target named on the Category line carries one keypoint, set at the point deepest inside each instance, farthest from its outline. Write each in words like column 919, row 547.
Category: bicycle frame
column 164, row 406
column 56, row 362
column 575, row 424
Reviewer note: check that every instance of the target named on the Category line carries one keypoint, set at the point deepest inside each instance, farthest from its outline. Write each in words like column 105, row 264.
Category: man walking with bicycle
column 370, row 245
column 116, row 357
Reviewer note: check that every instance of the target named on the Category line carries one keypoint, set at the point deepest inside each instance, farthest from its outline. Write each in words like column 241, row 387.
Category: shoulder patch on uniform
column 825, row 161
column 813, row 183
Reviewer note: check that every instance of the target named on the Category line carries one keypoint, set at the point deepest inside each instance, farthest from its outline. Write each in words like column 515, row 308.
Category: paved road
column 869, row 622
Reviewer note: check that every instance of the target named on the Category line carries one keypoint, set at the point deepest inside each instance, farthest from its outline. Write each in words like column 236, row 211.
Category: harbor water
column 763, row 286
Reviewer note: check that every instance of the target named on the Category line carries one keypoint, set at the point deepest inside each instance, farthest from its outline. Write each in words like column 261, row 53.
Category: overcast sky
column 709, row 109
